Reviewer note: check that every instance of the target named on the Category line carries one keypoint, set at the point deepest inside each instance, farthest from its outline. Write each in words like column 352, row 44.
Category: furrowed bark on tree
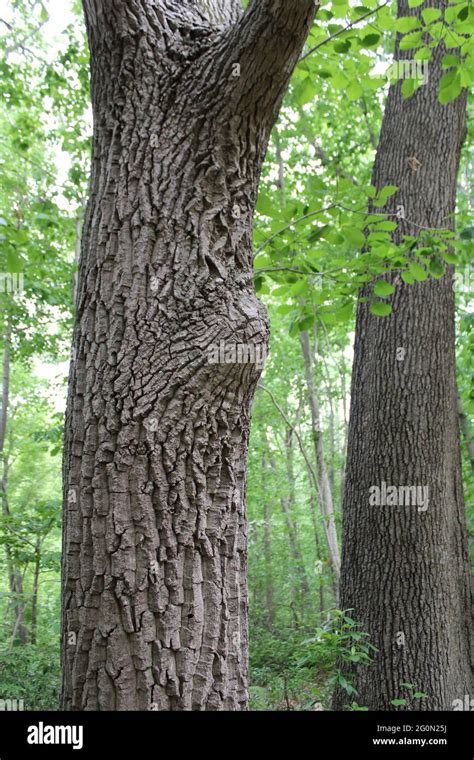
column 405, row 572
column 154, row 564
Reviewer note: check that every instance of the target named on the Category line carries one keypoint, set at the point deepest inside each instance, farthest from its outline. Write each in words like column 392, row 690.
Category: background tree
column 405, row 572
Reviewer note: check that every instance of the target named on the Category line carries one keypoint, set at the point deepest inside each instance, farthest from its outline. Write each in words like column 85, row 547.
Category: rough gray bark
column 154, row 570
column 405, row 572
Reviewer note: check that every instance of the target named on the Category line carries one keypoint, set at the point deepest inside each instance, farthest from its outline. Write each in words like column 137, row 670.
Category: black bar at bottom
column 126, row 734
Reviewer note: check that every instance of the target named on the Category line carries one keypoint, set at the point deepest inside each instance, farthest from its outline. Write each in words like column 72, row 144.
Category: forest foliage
column 312, row 256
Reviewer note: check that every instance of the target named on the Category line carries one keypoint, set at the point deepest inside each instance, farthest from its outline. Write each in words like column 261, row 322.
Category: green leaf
column 380, row 309
column 345, row 684
column 449, row 91
column 423, row 54
column 447, row 80
column 264, row 205
column 354, row 236
column 354, row 91
column 384, row 194
column 342, row 47
column 44, row 15
column 306, row 323
column 407, row 24
column 383, row 289
column 450, row 258
column 317, row 233
column 415, row 3
column 285, row 308
column 14, row 262
column 370, row 40
column 339, row 80
column 408, row 88
column 412, row 40
column 324, row 73
column 436, row 268
column 344, row 313
column 299, row 287
column 306, row 91
column 430, row 14
column 399, row 702
column 418, row 272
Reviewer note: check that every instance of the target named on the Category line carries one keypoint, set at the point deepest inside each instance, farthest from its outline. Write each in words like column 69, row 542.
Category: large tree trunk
column 405, row 570
column 154, row 572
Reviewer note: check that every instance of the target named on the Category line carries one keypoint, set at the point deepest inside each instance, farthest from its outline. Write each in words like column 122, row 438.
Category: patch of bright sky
column 61, row 15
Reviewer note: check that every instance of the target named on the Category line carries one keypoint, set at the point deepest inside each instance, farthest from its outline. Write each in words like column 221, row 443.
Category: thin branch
column 265, row 270
column 350, row 210
column 346, row 28
column 293, row 430
column 292, row 224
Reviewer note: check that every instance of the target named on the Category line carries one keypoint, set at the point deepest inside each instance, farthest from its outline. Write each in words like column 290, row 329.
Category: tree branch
column 345, row 29
column 265, row 46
